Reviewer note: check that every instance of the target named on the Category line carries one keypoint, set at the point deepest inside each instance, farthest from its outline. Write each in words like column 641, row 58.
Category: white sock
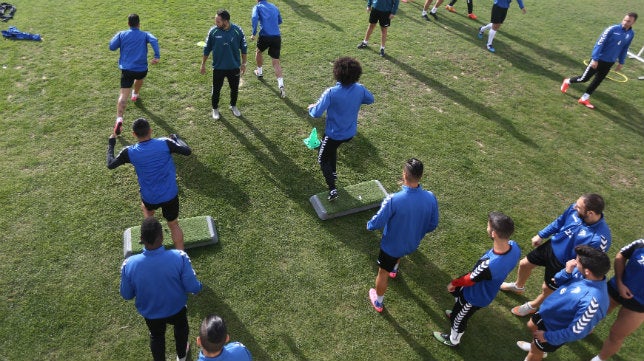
column 382, row 47
column 486, row 27
column 380, row 299
column 490, row 37
column 424, row 12
column 259, row 70
column 365, row 41
column 596, row 358
column 433, row 10
column 455, row 337
column 396, row 267
column 586, row 96
column 280, row 82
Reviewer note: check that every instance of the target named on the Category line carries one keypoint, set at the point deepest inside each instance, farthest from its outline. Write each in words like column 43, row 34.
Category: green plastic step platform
column 197, row 231
column 352, row 199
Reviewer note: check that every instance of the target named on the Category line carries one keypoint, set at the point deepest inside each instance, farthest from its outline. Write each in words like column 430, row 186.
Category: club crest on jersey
column 563, row 290
column 620, row 42
column 582, row 232
column 576, row 290
column 641, row 260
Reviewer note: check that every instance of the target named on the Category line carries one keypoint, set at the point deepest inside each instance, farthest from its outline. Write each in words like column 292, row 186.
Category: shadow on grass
column 295, row 351
column 466, row 101
column 300, row 112
column 155, row 118
column 207, row 302
column 408, row 337
column 305, row 11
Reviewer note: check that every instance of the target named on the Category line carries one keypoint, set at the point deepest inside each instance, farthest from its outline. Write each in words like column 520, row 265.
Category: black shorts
column 128, row 77
column 386, row 261
column 170, row 208
column 544, row 256
column 382, row 17
column 545, row 347
column 629, row 304
column 498, row 14
column 272, row 43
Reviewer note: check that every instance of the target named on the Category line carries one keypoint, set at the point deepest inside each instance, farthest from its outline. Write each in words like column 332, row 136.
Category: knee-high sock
column 490, row 36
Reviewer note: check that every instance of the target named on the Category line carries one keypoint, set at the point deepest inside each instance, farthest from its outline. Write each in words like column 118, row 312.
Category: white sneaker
column 282, row 92
column 525, row 346
column 512, row 287
column 235, row 111
column 215, row 114
column 523, row 310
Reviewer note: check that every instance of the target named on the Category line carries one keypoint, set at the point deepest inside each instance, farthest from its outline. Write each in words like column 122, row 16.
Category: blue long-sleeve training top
column 506, row 3
column 134, row 48
column 613, row 44
column 633, row 276
column 268, row 15
column 569, row 231
column 342, row 104
column 160, row 280
column 405, row 217
column 573, row 310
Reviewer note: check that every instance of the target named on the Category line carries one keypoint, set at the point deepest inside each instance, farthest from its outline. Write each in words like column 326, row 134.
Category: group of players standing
column 572, row 248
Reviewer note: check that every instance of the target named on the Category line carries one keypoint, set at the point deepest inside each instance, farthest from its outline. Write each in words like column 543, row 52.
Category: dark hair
column 141, row 127
column 212, row 333
column 593, row 202
column 223, row 14
column 632, row 15
column 133, row 20
column 501, row 224
column 151, row 230
column 347, row 70
column 593, row 259
column 413, row 169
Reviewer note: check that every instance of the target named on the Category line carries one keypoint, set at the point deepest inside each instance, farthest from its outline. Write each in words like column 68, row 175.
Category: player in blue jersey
column 225, row 41
column 583, row 223
column 268, row 16
column 156, row 173
column 499, row 13
column 380, row 11
column 133, row 62
column 160, row 281
column 214, row 342
column 342, row 104
column 574, row 310
column 626, row 290
column 477, row 289
column 611, row 46
column 405, row 218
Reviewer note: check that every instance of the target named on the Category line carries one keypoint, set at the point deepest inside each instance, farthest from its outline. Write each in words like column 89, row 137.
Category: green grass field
column 493, row 131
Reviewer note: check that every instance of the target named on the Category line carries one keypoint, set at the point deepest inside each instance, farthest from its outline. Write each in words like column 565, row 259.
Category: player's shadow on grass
column 300, row 112
column 208, row 302
column 466, row 101
column 158, row 121
column 628, row 116
column 305, row 11
column 295, row 351
column 195, row 175
column 411, row 340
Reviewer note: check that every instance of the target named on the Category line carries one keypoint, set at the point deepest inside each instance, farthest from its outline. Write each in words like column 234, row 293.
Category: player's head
column 413, row 170
column 133, row 20
column 347, row 70
column 590, row 207
column 222, row 19
column 501, row 224
column 213, row 334
column 151, row 231
column 629, row 20
column 141, row 128
column 593, row 260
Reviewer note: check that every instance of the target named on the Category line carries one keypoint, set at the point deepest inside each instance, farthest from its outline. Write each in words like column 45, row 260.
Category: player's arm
column 379, row 220
column 125, row 288
column 556, row 225
column 587, row 316
column 177, row 145
column 188, row 276
column 122, row 158
column 620, row 265
column 115, row 43
column 480, row 273
column 318, row 108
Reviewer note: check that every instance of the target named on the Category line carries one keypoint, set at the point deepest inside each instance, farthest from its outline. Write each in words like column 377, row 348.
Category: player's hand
column 624, row 291
column 311, row 106
column 524, row 10
column 154, row 60
column 368, row 9
column 203, row 69
column 570, row 265
column 391, row 16
column 252, row 38
column 536, row 241
column 619, row 67
column 242, row 69
column 593, row 64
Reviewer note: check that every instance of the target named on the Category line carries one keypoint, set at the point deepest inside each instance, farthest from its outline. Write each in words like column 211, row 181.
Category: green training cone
column 312, row 141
